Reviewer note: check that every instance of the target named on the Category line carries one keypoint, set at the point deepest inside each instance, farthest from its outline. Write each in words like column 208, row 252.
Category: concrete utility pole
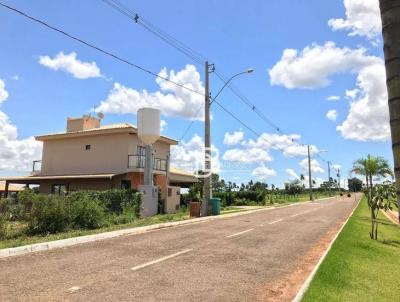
column 207, row 193
column 329, row 177
column 338, row 176
column 309, row 173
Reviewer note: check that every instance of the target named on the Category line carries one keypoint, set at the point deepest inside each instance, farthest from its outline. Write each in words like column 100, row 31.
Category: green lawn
column 358, row 268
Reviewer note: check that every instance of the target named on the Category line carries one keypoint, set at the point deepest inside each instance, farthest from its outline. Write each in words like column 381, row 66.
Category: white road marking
column 240, row 233
column 160, row 259
column 275, row 221
column 74, row 289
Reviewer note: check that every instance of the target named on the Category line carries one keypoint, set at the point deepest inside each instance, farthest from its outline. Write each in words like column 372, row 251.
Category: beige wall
column 107, row 154
column 173, row 200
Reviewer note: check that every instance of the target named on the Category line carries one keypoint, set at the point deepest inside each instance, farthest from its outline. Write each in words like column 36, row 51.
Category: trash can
column 215, row 206
column 194, row 209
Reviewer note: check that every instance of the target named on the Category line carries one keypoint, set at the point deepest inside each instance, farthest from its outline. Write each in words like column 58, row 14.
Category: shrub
column 3, row 227
column 87, row 212
column 49, row 215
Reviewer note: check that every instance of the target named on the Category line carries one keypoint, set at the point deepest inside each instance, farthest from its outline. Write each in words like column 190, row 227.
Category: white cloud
column 233, row 138
column 292, row 174
column 70, row 64
column 315, row 166
column 163, row 125
column 331, row 115
column 3, row 91
column 171, row 99
column 362, row 19
column 262, row 172
column 368, row 117
column 287, row 144
column 333, row 98
column 15, row 77
column 16, row 155
column 247, row 156
column 315, row 64
column 352, row 94
column 189, row 156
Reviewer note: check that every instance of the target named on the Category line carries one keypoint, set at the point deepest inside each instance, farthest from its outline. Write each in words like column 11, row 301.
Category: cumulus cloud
column 247, row 156
column 70, row 64
column 333, row 98
column 368, row 117
column 315, row 166
column 233, row 138
column 171, row 99
column 362, row 19
column 16, row 155
column 262, row 172
column 331, row 115
column 189, row 156
column 292, row 175
column 314, row 65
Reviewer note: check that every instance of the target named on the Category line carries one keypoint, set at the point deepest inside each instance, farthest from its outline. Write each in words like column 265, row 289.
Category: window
column 169, row 192
column 87, row 147
column 125, row 184
column 141, row 150
column 60, row 189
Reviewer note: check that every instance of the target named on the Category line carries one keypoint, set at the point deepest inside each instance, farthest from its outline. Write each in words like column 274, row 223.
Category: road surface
column 254, row 257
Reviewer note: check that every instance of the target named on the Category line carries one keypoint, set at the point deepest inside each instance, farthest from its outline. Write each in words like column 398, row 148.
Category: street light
column 249, row 70
column 207, row 137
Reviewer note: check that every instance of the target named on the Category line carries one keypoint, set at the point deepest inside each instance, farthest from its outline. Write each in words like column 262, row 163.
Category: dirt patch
column 287, row 287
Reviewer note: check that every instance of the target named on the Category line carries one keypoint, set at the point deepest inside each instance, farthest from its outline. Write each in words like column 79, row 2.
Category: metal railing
column 36, row 166
column 138, row 161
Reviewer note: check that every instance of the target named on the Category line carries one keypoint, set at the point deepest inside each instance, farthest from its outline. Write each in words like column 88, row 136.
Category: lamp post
column 207, row 189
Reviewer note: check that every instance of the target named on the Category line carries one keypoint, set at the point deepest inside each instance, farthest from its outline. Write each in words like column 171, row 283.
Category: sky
column 319, row 77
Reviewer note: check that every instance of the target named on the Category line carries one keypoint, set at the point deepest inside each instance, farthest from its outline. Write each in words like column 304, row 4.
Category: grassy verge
column 358, row 268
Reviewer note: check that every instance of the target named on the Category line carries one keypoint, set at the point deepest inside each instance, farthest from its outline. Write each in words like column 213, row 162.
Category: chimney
column 82, row 123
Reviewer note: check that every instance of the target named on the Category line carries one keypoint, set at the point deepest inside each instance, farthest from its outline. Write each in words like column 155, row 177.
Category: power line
column 97, row 48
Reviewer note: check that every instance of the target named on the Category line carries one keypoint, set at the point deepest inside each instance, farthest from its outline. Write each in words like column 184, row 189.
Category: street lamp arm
column 227, row 82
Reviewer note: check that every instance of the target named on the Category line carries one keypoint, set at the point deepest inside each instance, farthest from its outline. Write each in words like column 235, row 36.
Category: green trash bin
column 215, row 206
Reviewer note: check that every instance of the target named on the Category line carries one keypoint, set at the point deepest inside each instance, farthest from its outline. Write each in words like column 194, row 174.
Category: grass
column 358, row 268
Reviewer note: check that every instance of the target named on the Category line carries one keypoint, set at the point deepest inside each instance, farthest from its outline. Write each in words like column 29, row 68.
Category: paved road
column 231, row 259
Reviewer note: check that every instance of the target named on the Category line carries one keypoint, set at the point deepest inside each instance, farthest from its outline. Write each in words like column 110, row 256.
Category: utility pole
column 309, row 173
column 329, row 178
column 207, row 194
column 338, row 176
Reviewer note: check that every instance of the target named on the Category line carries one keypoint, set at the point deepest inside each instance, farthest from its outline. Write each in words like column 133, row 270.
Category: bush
column 49, row 215
column 87, row 213
column 3, row 227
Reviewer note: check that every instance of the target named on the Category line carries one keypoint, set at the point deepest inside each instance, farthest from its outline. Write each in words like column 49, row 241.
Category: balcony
column 36, row 167
column 137, row 162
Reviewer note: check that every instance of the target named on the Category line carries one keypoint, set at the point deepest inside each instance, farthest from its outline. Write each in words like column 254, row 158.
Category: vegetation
column 372, row 166
column 254, row 193
column 36, row 214
column 357, row 269
column 380, row 197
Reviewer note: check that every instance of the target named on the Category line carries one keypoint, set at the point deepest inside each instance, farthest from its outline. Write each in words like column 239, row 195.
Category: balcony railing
column 36, row 166
column 138, row 161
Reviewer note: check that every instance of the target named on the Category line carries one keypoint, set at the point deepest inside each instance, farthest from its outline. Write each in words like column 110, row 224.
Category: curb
column 44, row 246
column 306, row 284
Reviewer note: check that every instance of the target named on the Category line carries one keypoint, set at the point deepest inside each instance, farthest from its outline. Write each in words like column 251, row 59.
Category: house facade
column 89, row 156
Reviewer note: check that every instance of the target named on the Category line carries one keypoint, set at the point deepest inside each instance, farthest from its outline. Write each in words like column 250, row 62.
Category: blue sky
column 341, row 56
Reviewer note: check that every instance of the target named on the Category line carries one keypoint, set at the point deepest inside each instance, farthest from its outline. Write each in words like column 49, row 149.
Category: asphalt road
column 231, row 259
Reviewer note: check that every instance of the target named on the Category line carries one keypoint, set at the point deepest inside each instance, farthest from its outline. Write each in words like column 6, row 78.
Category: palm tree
column 360, row 168
column 372, row 166
column 390, row 15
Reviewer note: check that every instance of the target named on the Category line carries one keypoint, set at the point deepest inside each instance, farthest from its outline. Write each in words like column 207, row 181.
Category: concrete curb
column 44, row 246
column 306, row 284
column 390, row 218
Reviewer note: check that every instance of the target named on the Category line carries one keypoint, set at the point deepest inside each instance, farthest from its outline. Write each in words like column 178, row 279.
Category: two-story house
column 89, row 156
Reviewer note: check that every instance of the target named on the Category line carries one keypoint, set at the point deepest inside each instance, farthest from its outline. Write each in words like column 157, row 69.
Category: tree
column 372, row 166
column 354, row 184
column 382, row 197
column 390, row 15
